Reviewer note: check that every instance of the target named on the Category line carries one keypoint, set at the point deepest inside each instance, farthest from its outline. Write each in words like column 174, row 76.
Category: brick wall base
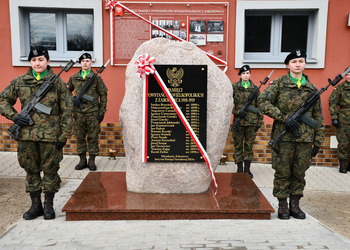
column 111, row 138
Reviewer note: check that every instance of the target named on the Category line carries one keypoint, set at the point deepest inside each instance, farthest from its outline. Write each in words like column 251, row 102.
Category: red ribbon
column 144, row 65
column 110, row 4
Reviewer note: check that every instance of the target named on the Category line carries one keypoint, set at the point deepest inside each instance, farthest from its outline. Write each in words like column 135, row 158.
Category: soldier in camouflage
column 280, row 100
column 341, row 120
column 87, row 120
column 244, row 135
column 40, row 145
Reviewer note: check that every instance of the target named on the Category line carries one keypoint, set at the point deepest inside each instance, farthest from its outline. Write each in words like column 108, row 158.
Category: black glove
column 242, row 114
column 21, row 120
column 315, row 150
column 100, row 118
column 291, row 124
column 75, row 101
column 60, row 145
column 335, row 123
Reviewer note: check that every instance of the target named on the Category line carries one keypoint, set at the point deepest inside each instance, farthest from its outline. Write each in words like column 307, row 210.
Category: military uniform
column 40, row 145
column 36, row 145
column 244, row 136
column 279, row 100
column 341, row 97
column 86, row 124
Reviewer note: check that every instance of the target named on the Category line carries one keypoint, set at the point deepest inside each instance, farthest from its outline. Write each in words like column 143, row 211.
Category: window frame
column 20, row 28
column 316, row 47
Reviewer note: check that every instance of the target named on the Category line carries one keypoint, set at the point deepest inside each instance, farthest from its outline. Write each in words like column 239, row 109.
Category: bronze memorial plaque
column 167, row 137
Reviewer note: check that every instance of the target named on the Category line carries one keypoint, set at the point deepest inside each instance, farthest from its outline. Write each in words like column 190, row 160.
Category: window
column 271, row 35
column 266, row 31
column 64, row 27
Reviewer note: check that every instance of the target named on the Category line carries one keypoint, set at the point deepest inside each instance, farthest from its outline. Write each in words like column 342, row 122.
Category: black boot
column 82, row 163
column 343, row 166
column 240, row 167
column 283, row 212
column 294, row 208
column 49, row 212
column 247, row 168
column 91, row 164
column 36, row 209
column 348, row 165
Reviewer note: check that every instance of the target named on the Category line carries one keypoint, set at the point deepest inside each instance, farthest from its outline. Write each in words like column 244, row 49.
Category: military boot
column 49, row 212
column 240, row 167
column 247, row 168
column 343, row 166
column 91, row 163
column 82, row 163
column 283, row 213
column 36, row 208
column 294, row 208
column 348, row 165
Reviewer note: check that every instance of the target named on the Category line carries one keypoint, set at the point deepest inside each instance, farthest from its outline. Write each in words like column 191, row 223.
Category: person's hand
column 21, row 120
column 76, row 103
column 60, row 145
column 335, row 123
column 315, row 150
column 100, row 118
column 291, row 124
column 242, row 114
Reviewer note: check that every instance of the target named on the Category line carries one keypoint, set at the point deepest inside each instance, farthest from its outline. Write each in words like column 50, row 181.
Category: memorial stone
column 173, row 177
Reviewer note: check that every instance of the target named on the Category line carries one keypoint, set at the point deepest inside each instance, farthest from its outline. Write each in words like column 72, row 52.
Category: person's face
column 347, row 77
column 86, row 64
column 39, row 63
column 297, row 65
column 245, row 76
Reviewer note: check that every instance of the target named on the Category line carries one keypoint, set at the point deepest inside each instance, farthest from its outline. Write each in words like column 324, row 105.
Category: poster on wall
column 204, row 24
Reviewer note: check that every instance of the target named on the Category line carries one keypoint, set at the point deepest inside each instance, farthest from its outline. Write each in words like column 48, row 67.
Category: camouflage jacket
column 283, row 98
column 50, row 128
column 97, row 90
column 240, row 97
column 340, row 97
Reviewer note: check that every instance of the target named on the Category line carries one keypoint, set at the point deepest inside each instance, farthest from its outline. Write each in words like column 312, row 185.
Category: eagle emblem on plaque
column 175, row 76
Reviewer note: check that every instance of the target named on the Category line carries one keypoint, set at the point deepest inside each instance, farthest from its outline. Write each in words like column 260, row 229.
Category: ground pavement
column 174, row 234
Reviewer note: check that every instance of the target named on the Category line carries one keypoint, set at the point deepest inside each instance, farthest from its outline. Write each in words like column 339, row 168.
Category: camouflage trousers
column 243, row 143
column 35, row 157
column 290, row 166
column 86, row 129
column 343, row 137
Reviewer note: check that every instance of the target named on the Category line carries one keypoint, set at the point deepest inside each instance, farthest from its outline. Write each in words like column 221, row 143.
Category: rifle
column 251, row 98
column 34, row 103
column 300, row 114
column 82, row 95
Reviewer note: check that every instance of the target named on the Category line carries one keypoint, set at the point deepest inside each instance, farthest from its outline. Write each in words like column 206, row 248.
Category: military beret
column 243, row 68
column 38, row 51
column 85, row 56
column 297, row 53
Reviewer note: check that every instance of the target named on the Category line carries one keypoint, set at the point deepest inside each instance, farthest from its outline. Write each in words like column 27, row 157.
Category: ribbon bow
column 144, row 65
column 110, row 4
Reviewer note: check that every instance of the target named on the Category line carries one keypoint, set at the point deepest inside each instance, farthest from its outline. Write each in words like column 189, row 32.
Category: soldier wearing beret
column 244, row 135
column 87, row 120
column 280, row 100
column 40, row 145
column 339, row 106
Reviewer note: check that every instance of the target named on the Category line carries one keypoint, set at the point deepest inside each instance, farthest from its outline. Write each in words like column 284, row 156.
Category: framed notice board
column 204, row 24
column 166, row 136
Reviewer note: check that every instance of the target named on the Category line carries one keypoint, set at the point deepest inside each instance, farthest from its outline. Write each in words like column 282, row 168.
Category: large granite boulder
column 167, row 177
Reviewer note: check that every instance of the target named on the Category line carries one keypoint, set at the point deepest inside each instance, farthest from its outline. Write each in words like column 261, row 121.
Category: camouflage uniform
column 244, row 136
column 279, row 100
column 37, row 149
column 86, row 123
column 341, row 97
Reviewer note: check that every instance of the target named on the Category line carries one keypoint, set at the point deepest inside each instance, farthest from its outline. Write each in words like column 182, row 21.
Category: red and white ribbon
column 110, row 4
column 176, row 108
column 144, row 65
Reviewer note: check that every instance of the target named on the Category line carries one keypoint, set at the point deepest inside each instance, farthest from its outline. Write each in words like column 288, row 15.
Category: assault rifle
column 300, row 114
column 82, row 95
column 34, row 103
column 251, row 98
